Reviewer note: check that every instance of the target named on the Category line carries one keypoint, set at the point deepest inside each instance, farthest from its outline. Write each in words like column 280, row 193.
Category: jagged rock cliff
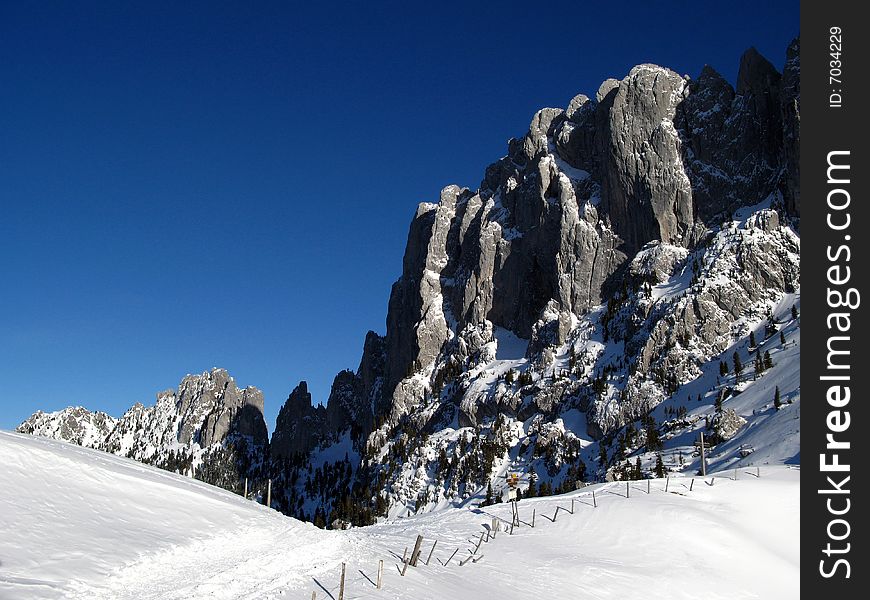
column 208, row 427
column 621, row 245
column 73, row 424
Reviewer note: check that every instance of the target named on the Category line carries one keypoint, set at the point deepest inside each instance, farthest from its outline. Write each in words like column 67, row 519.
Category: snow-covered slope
column 77, row 523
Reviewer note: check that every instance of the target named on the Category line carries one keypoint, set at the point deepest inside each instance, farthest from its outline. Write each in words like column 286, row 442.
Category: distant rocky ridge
column 206, row 421
column 73, row 424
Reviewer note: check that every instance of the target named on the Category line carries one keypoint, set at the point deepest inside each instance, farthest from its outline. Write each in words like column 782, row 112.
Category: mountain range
column 625, row 278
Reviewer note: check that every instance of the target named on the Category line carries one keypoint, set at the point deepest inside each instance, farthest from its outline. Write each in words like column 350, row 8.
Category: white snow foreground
column 78, row 523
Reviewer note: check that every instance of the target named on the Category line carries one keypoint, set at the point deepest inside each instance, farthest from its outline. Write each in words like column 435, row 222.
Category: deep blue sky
column 223, row 184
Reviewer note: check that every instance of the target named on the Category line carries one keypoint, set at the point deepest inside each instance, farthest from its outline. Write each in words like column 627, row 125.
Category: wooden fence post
column 555, row 513
column 405, row 555
column 703, row 458
column 451, row 557
column 667, row 483
column 647, row 486
column 533, row 519
column 627, row 494
column 246, row 490
column 341, row 586
column 735, row 474
column 692, row 484
column 405, row 568
column 380, row 572
column 269, row 495
column 572, row 506
column 416, row 553
column 479, row 542
column 758, row 472
column 594, row 501
column 430, row 553
column 314, row 595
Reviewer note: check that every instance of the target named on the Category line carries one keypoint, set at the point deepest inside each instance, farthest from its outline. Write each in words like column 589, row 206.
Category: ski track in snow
column 78, row 523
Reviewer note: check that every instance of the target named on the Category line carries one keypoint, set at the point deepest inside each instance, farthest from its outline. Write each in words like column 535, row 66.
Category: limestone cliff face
column 656, row 157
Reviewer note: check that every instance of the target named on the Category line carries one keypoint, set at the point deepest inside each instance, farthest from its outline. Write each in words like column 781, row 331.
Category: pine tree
column 488, row 500
column 638, row 470
column 720, row 397
column 768, row 362
column 752, row 343
column 653, row 440
column 776, row 399
column 770, row 328
column 602, row 455
column 738, row 366
column 759, row 366
column 660, row 466
column 723, row 368
column 794, row 311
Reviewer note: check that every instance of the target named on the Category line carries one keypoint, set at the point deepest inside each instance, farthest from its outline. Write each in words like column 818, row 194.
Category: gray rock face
column 211, row 406
column 725, row 425
column 791, row 123
column 648, row 195
column 207, row 424
column 205, row 410
column 353, row 400
column 654, row 158
column 300, row 426
column 74, row 424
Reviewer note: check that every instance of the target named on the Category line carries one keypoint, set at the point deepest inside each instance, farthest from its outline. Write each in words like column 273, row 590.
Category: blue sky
column 230, row 184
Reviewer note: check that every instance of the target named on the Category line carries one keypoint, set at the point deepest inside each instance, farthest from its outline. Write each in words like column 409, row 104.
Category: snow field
column 77, row 523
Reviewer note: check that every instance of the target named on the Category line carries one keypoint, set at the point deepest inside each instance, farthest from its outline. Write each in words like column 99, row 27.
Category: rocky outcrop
column 725, row 425
column 207, row 419
column 75, row 424
column 300, row 426
column 205, row 410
